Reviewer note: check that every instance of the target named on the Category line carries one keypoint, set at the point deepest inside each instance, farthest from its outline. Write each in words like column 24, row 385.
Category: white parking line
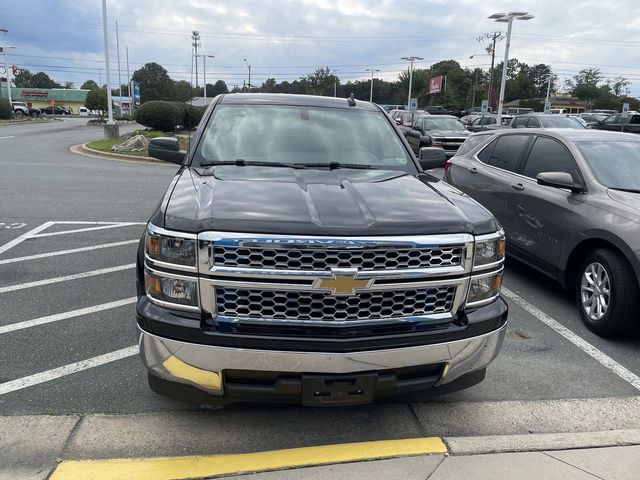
column 24, row 236
column 65, row 252
column 102, row 271
column 578, row 341
column 65, row 315
column 87, row 229
column 65, row 370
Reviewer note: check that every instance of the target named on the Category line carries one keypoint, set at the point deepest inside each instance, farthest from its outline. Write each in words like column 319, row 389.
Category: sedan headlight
column 162, row 248
column 489, row 251
column 484, row 289
column 171, row 289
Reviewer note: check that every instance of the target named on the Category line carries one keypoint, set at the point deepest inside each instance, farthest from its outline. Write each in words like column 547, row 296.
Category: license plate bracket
column 352, row 389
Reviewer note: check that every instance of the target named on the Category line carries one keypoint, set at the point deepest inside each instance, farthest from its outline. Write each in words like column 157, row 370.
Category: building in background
column 43, row 97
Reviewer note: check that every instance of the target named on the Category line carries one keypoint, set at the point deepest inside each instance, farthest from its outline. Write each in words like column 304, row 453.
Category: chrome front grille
column 343, row 280
column 324, row 307
column 326, row 259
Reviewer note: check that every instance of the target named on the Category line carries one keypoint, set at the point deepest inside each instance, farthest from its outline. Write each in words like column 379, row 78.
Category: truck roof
column 294, row 100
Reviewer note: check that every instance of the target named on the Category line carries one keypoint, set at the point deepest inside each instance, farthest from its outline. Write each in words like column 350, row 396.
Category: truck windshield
column 443, row 124
column 560, row 122
column 614, row 164
column 301, row 135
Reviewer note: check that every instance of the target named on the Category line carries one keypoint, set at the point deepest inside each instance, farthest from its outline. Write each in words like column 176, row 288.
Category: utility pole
column 196, row 43
column 5, row 51
column 371, row 91
column 410, row 59
column 335, row 83
column 126, row 47
column 249, row 67
column 475, row 86
column 204, row 73
column 493, row 37
column 507, row 18
column 119, row 77
column 106, row 60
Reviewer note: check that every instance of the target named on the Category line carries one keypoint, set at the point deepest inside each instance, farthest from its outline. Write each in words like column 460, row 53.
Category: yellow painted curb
column 175, row 468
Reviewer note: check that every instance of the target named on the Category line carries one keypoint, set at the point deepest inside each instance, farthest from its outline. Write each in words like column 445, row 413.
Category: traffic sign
column 413, row 106
column 625, row 107
column 547, row 107
column 485, row 106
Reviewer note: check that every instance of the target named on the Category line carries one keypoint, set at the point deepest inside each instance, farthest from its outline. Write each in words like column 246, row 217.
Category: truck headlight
column 490, row 250
column 484, row 289
column 162, row 248
column 171, row 289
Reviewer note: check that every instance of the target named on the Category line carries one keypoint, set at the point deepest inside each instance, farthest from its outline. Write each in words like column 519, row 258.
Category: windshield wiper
column 239, row 162
column 334, row 165
column 630, row 190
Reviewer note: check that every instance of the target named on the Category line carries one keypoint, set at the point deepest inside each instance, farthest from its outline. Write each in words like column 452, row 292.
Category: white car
column 83, row 112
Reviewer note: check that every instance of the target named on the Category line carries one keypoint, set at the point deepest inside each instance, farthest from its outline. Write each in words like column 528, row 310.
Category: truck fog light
column 484, row 289
column 172, row 290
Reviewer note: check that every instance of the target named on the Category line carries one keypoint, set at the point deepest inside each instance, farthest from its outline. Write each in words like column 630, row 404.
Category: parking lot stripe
column 87, row 229
column 35, row 379
column 65, row 252
column 24, row 236
column 578, row 341
column 65, row 315
column 75, row 276
column 175, row 468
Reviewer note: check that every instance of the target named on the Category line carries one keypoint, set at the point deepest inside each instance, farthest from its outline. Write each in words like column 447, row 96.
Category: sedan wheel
column 607, row 292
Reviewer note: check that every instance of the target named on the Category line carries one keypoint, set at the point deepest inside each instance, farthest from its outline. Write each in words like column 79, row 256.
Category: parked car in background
column 592, row 118
column 558, row 111
column 469, row 118
column 569, row 203
column 444, row 131
column 538, row 120
column 518, row 110
column 55, row 110
column 436, row 110
column 602, row 111
column 482, row 122
column 84, row 112
column 21, row 108
column 620, row 122
column 405, row 119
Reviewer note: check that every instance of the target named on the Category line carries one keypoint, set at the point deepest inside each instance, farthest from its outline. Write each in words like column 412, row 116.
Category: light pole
column 195, row 37
column 335, row 83
column 547, row 105
column 410, row 59
column 204, row 72
column 106, row 60
column 249, row 67
column 506, row 18
column 5, row 49
column 372, row 70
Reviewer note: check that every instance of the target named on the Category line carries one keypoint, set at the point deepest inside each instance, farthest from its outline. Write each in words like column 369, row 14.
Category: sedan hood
column 321, row 202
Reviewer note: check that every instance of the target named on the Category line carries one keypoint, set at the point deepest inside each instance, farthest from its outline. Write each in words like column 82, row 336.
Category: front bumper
column 204, row 367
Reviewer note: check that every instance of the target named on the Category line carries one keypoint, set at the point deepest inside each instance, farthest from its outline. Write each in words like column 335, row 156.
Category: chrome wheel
column 595, row 291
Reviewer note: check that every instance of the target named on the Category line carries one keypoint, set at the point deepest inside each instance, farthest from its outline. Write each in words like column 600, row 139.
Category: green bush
column 189, row 115
column 5, row 108
column 159, row 115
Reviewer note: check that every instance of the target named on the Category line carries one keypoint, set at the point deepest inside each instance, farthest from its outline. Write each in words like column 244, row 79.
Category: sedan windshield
column 442, row 124
column 301, row 135
column 549, row 121
column 614, row 164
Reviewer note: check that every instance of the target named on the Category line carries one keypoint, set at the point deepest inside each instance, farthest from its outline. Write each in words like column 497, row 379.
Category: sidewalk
column 612, row 463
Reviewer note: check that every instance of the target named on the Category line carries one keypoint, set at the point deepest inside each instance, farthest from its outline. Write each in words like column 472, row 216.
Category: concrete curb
column 82, row 149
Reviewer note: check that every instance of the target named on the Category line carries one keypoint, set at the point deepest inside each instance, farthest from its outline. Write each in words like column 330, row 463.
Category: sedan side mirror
column 558, row 180
column 432, row 157
column 398, row 121
column 167, row 149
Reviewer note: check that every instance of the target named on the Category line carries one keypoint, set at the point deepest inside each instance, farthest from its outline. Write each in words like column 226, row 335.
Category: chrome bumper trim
column 202, row 366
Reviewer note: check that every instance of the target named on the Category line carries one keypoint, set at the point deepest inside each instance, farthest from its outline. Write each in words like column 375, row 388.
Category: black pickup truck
column 443, row 131
column 301, row 254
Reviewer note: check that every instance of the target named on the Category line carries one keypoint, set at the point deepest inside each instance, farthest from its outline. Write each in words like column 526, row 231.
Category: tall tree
column 319, row 82
column 586, row 85
column 620, row 86
column 216, row 89
column 155, row 83
column 23, row 79
column 183, row 91
column 89, row 85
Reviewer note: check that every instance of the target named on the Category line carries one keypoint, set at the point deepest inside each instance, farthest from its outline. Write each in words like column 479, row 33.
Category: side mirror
column 167, row 149
column 432, row 157
column 398, row 121
column 558, row 180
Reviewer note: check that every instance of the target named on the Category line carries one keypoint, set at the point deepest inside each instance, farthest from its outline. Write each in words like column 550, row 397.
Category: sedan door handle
column 473, row 170
column 517, row 186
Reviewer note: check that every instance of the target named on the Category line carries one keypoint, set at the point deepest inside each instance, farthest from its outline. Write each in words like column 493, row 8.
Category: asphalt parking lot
column 69, row 226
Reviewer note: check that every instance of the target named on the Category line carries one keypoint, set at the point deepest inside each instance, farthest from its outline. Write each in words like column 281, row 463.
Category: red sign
column 52, row 101
column 435, row 84
column 35, row 93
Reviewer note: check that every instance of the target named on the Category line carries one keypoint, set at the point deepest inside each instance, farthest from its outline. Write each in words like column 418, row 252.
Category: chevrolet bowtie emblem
column 343, row 283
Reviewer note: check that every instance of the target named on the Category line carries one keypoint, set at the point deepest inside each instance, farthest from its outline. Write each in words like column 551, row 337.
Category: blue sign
column 136, row 93
column 485, row 106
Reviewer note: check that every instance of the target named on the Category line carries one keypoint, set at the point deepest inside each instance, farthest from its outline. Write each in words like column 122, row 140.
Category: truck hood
column 449, row 133
column 320, row 202
column 628, row 199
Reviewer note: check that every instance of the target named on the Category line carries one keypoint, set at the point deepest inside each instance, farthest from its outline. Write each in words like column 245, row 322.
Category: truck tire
column 606, row 293
column 18, row 113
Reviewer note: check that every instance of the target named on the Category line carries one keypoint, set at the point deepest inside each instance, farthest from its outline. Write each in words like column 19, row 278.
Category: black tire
column 34, row 114
column 621, row 307
column 19, row 113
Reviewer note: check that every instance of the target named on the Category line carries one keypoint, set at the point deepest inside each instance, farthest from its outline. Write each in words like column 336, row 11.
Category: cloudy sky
column 286, row 39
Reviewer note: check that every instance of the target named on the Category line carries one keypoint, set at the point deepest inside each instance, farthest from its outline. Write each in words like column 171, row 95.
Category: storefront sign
column 435, row 84
column 35, row 93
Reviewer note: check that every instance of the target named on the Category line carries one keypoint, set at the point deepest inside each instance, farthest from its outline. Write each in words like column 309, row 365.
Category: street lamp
column 506, row 18
column 4, row 51
column 547, row 105
column 410, row 59
column 204, row 72
column 249, row 67
column 372, row 70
